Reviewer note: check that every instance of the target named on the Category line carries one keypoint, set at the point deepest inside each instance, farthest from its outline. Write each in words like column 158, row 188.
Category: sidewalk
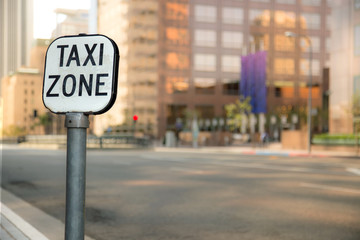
column 268, row 150
column 21, row 221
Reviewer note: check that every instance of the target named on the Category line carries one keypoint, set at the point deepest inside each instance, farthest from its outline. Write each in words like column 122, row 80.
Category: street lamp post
column 294, row 35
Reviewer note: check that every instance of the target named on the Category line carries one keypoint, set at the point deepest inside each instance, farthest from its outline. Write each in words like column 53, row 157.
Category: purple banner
column 253, row 80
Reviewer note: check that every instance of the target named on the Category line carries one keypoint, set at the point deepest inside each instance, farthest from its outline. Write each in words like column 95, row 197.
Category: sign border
column 114, row 80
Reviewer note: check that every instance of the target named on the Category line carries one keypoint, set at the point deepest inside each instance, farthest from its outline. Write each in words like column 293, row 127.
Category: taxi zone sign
column 81, row 74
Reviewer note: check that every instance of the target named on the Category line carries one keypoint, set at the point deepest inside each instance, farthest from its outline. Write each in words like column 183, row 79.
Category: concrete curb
column 33, row 222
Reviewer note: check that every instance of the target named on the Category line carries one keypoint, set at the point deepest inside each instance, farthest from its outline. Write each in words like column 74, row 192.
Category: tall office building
column 196, row 48
column 16, row 34
column 75, row 22
column 344, row 62
column 133, row 25
column 21, row 95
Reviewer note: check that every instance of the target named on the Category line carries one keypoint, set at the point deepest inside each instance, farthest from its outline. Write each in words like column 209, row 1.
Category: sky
column 45, row 17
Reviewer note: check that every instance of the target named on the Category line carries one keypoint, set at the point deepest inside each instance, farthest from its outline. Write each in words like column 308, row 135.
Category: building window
column 304, row 67
column 284, row 66
column 284, row 90
column 304, row 92
column 259, row 17
column 310, row 21
column 177, row 36
column 328, row 45
column 357, row 40
column 232, row 39
column 177, row 61
column 285, row 19
column 278, row 92
column 357, row 4
column 230, row 63
column 283, row 43
column 176, row 11
column 231, row 86
column 259, row 42
column 315, row 42
column 329, row 23
column 232, row 15
column 264, row 1
column 205, row 62
column 205, row 38
column 286, row 1
column 204, row 85
column 205, row 111
column 176, row 85
column 357, row 85
column 311, row 2
column 174, row 112
column 205, row 13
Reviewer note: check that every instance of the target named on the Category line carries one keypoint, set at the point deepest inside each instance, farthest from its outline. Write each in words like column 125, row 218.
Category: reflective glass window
column 285, row 19
column 176, row 85
column 230, row 86
column 304, row 67
column 357, row 40
column 205, row 62
column 177, row 36
column 310, row 21
column 259, row 17
column 176, row 60
column 311, row 2
column 284, row 66
column 232, row 39
column 176, row 11
column 230, row 63
column 283, row 43
column 232, row 15
column 205, row 38
column 205, row 13
column 205, row 85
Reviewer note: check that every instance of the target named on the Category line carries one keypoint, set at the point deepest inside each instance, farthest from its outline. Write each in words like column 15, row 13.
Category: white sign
column 81, row 74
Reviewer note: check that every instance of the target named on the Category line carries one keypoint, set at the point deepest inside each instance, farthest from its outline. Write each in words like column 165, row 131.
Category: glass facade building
column 197, row 50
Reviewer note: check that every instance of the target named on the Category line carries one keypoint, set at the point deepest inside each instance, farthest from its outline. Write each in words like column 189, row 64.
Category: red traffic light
column 135, row 117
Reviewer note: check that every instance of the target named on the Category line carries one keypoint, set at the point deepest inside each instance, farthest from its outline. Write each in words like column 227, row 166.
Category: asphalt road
column 146, row 195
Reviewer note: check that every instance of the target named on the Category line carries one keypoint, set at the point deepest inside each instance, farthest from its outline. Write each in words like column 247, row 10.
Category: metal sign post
column 80, row 78
column 76, row 124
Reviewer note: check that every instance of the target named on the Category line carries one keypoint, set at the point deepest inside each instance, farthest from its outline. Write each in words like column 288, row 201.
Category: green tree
column 14, row 131
column 236, row 111
column 355, row 111
column 43, row 120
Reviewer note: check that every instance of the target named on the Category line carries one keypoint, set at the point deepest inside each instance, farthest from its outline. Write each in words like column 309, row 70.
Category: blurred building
column 16, row 33
column 70, row 22
column 24, row 111
column 133, row 25
column 21, row 94
column 93, row 17
column 37, row 61
column 180, row 56
column 345, row 62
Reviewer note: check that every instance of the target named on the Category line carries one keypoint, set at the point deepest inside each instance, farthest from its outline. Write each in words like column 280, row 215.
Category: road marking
column 21, row 224
column 354, row 170
column 261, row 166
column 330, row 188
column 192, row 171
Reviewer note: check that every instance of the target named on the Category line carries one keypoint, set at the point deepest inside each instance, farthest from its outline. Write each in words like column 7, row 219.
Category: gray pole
column 310, row 97
column 76, row 124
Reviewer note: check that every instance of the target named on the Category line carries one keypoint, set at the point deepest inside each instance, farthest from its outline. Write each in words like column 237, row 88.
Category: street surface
column 147, row 195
